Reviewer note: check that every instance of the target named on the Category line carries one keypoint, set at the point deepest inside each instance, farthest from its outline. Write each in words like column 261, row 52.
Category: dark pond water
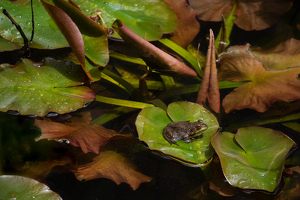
column 171, row 180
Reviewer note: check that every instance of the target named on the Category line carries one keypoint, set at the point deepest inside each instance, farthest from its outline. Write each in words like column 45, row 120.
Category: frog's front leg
column 167, row 133
column 187, row 139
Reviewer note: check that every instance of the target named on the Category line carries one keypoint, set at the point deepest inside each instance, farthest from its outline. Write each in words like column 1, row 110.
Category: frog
column 185, row 131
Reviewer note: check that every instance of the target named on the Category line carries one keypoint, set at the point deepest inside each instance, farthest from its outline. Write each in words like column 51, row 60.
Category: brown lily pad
column 251, row 14
column 264, row 87
column 188, row 26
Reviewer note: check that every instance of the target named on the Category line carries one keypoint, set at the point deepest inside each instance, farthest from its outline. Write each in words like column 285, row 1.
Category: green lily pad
column 22, row 188
column 254, row 157
column 152, row 120
column 51, row 87
column 147, row 19
column 6, row 45
column 46, row 33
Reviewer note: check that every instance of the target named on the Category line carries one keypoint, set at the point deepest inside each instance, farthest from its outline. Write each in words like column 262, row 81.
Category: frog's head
column 199, row 127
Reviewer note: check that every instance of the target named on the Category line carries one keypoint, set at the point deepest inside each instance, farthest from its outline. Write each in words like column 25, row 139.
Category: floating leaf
column 251, row 14
column 254, row 157
column 46, row 33
column 51, row 87
column 139, row 16
column 6, row 45
column 152, row 120
column 114, row 166
column 283, row 56
column 264, row 88
column 18, row 187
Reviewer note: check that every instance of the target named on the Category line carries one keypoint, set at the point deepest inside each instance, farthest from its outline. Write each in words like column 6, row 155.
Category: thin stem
column 32, row 15
column 18, row 28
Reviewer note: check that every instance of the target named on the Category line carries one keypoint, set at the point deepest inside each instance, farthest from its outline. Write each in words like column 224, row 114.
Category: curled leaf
column 153, row 56
column 69, row 29
column 209, row 86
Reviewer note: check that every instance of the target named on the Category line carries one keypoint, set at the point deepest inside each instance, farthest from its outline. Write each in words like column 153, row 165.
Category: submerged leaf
column 114, row 166
column 264, row 88
column 88, row 137
column 254, row 157
column 51, row 87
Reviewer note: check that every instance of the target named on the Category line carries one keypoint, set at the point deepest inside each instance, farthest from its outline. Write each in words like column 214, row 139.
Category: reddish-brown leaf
column 153, row 56
column 88, row 137
column 70, row 31
column 251, row 14
column 209, row 86
column 264, row 88
column 113, row 166
column 188, row 26
column 283, row 56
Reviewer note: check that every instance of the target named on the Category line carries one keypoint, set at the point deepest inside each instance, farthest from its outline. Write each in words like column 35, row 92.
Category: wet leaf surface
column 152, row 120
column 264, row 88
column 53, row 86
column 18, row 187
column 139, row 16
column 93, row 34
column 253, row 158
column 77, row 132
column 251, row 14
column 47, row 35
column 114, row 166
